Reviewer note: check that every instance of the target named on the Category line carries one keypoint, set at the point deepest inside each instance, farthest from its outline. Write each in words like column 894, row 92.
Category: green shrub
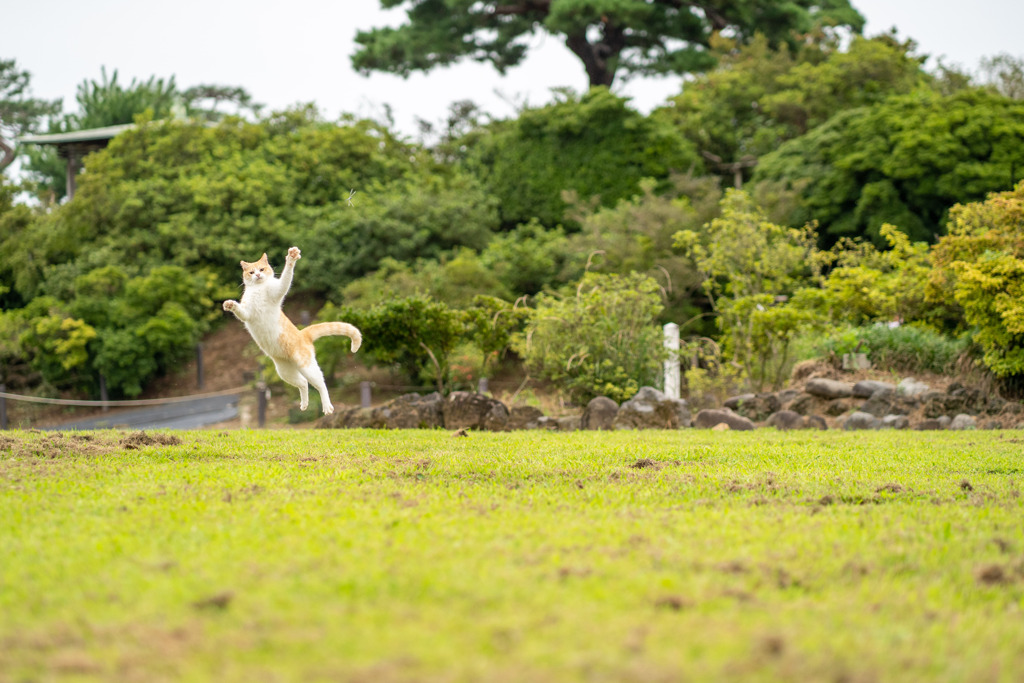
column 600, row 340
column 907, row 348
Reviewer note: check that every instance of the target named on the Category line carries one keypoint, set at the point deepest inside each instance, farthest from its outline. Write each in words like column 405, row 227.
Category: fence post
column 672, row 386
column 261, row 403
column 103, row 392
column 364, row 394
column 3, row 407
column 482, row 387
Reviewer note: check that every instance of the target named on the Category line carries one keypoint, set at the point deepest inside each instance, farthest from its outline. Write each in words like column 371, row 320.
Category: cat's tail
column 314, row 332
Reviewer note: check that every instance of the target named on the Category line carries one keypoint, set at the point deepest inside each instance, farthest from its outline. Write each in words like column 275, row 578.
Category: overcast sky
column 287, row 53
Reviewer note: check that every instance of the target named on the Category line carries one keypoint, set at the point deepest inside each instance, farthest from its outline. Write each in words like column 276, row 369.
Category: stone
column 908, row 386
column 895, row 422
column 733, row 402
column 411, row 411
column 709, row 417
column 524, row 417
column 470, row 410
column 964, row 421
column 569, row 423
column 807, row 404
column 721, row 427
column 786, row 419
column 651, row 409
column 839, row 406
column 859, row 420
column 881, row 402
column 756, row 407
column 930, row 424
column 866, row 387
column 828, row 388
column 599, row 414
column 815, row 422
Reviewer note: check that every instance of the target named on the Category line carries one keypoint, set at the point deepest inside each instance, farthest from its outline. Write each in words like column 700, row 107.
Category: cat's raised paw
column 229, row 305
column 328, row 409
column 294, row 254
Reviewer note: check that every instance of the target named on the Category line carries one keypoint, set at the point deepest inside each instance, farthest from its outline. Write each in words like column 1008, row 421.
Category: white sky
column 286, row 53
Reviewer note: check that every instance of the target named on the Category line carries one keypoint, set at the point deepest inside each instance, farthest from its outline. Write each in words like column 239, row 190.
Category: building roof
column 90, row 135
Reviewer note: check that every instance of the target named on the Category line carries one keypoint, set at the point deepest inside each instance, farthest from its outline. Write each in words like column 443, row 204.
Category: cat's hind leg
column 291, row 373
column 312, row 372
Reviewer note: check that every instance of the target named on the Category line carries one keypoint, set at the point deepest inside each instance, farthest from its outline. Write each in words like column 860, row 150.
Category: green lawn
column 390, row 556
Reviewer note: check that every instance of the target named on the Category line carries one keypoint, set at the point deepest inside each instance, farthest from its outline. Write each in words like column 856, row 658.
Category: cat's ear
column 245, row 265
column 264, row 258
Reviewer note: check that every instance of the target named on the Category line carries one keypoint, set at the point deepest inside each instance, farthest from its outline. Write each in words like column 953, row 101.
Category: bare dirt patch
column 137, row 440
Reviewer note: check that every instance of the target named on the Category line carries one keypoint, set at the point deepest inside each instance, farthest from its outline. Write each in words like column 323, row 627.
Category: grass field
column 391, row 556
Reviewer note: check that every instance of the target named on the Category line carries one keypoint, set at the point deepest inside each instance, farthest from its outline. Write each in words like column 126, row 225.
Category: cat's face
column 255, row 273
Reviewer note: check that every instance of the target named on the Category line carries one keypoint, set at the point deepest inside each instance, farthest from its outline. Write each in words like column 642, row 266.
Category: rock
column 815, row 422
column 470, row 410
column 524, row 417
column 548, row 423
column 599, row 414
column 710, row 417
column 866, row 387
column 721, row 427
column 756, row 407
column 859, row 420
column 908, row 386
column 992, row 424
column 930, row 424
column 945, row 421
column 840, row 406
column 733, row 402
column 880, row 402
column 411, row 411
column 807, row 404
column 828, row 388
column 963, row 421
column 787, row 395
column 786, row 419
column 651, row 409
column 569, row 423
column 895, row 422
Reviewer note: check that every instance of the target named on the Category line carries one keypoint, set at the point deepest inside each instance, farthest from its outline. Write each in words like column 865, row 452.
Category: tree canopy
column 19, row 112
column 905, row 161
column 610, row 37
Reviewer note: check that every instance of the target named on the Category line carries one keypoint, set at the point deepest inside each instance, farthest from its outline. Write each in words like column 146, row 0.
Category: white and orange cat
column 290, row 348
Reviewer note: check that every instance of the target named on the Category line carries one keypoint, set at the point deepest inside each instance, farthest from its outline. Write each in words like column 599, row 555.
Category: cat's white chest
column 263, row 319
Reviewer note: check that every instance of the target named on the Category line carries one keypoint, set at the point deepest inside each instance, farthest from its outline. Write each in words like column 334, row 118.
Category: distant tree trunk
column 596, row 57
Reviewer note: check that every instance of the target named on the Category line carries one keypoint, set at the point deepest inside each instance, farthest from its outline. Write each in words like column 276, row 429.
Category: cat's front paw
column 328, row 408
column 294, row 255
column 230, row 305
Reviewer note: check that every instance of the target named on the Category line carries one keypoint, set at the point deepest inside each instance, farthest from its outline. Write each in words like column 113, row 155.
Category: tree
column 608, row 36
column 756, row 274
column 979, row 263
column 904, row 161
column 759, row 97
column 1004, row 73
column 19, row 113
column 592, row 145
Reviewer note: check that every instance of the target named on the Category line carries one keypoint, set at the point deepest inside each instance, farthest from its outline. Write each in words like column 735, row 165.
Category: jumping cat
column 290, row 348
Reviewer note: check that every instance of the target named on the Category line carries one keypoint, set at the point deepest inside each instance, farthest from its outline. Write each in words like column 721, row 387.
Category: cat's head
column 257, row 272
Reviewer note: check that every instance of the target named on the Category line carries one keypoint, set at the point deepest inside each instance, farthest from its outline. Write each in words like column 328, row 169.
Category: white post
column 672, row 364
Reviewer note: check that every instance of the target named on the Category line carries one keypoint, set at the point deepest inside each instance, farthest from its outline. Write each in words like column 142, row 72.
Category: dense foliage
column 980, row 263
column 905, row 161
column 594, row 145
column 597, row 339
column 607, row 36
